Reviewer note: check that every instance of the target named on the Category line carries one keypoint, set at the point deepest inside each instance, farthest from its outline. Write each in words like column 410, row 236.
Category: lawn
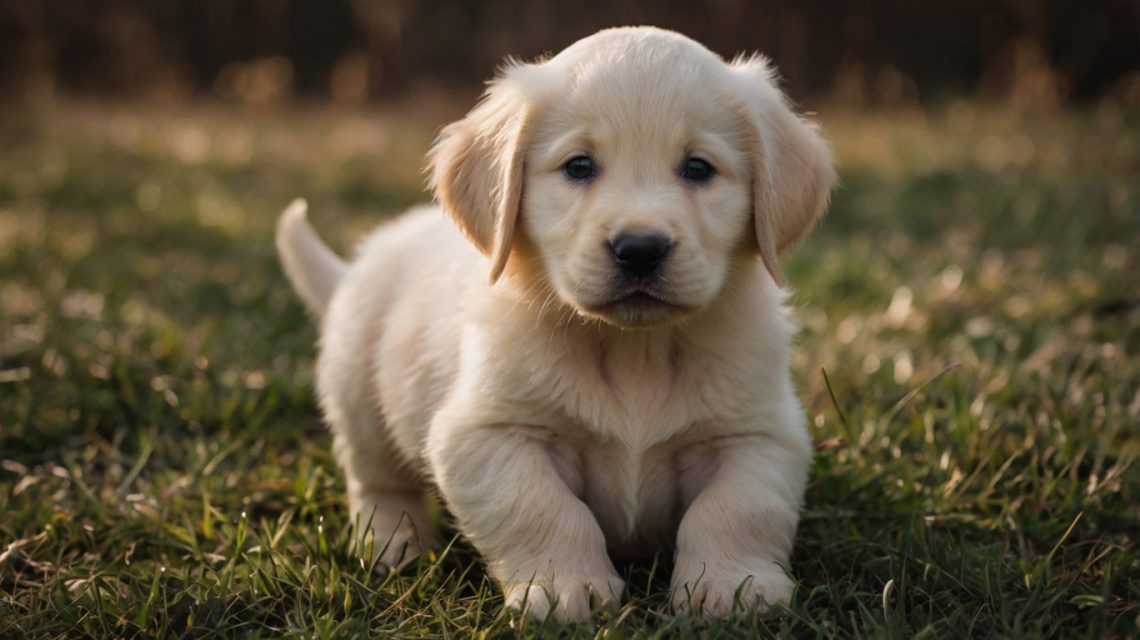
column 969, row 360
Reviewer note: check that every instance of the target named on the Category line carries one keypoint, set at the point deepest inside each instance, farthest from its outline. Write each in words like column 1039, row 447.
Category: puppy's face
column 639, row 168
column 637, row 189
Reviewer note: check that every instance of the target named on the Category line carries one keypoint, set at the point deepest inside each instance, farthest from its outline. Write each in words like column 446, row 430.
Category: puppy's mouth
column 638, row 308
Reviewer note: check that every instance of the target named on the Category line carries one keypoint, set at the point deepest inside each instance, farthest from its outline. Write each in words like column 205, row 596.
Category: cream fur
column 559, row 427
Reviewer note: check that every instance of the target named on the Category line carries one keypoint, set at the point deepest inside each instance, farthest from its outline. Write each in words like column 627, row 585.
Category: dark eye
column 579, row 168
column 697, row 170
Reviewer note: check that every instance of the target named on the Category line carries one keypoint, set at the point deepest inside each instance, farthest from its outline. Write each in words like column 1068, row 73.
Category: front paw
column 718, row 591
column 395, row 540
column 399, row 549
column 569, row 596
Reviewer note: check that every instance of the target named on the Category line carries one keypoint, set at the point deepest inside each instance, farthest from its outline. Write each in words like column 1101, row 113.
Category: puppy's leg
column 542, row 544
column 737, row 534
column 384, row 499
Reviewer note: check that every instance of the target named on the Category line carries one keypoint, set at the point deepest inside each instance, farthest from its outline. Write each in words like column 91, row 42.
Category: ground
column 969, row 360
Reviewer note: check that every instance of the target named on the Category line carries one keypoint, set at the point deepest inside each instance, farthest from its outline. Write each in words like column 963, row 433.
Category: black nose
column 640, row 255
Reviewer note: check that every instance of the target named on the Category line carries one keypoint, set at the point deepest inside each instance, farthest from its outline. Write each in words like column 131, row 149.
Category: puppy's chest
column 631, row 441
column 640, row 394
column 637, row 496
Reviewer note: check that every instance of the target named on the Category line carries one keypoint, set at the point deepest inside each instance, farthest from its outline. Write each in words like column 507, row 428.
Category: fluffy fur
column 502, row 360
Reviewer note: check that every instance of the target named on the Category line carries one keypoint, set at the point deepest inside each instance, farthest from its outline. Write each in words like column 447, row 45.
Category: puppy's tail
column 312, row 268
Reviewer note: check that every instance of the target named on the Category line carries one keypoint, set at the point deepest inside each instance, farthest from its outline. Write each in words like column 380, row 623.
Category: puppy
column 592, row 362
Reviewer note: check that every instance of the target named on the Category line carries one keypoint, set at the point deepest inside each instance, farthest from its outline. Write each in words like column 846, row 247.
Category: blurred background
column 1031, row 53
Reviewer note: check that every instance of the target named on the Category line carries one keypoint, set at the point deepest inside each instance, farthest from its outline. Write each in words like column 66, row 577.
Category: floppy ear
column 793, row 172
column 477, row 169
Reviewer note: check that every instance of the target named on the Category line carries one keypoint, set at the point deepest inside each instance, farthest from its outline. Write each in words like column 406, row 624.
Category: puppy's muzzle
column 640, row 256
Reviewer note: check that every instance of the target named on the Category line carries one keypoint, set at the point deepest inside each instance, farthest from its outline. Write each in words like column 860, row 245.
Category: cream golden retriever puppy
column 592, row 361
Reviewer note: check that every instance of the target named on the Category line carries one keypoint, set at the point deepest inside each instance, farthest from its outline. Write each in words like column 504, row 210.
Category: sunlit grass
column 972, row 298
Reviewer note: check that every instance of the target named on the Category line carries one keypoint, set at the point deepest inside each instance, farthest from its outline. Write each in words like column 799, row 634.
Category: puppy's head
column 638, row 169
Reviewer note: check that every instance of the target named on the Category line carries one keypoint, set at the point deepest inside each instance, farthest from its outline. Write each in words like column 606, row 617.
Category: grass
column 972, row 298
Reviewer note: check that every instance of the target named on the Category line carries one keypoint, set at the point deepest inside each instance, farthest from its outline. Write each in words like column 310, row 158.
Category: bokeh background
column 969, row 354
column 1040, row 53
